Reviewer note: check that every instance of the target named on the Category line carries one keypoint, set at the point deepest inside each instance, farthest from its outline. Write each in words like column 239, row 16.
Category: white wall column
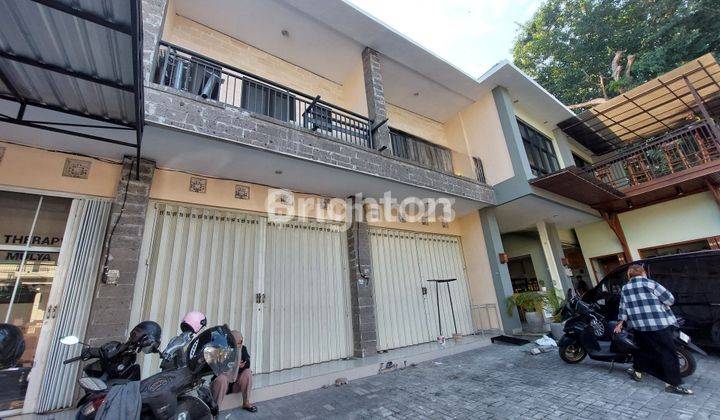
column 552, row 249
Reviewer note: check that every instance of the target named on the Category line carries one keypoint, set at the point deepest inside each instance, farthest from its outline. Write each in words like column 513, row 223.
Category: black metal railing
column 421, row 151
column 673, row 152
column 194, row 73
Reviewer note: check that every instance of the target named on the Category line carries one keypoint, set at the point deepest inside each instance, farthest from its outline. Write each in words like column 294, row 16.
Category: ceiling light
column 285, row 33
column 416, row 94
column 278, row 172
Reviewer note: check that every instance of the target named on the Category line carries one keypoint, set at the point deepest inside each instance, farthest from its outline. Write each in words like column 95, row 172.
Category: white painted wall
column 688, row 218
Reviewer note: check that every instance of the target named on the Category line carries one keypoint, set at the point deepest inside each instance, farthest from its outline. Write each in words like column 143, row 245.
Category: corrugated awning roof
column 658, row 106
column 79, row 57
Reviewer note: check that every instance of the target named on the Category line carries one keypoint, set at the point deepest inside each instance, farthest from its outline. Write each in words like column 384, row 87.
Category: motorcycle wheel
column 572, row 353
column 192, row 408
column 687, row 362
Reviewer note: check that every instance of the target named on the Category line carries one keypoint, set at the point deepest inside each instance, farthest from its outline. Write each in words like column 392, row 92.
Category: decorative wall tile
column 198, row 185
column 76, row 168
column 424, row 220
column 286, row 197
column 242, row 192
column 2, row 153
column 445, row 224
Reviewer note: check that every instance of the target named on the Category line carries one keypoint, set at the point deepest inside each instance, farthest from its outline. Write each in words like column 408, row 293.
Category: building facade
column 314, row 116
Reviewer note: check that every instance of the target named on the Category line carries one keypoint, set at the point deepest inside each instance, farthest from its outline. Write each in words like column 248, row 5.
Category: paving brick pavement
column 500, row 381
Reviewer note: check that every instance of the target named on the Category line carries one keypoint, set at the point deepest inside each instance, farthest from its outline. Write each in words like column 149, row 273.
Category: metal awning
column 74, row 57
column 660, row 105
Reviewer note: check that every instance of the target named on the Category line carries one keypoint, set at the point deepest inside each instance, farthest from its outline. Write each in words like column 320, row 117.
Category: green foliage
column 567, row 44
column 528, row 301
column 556, row 302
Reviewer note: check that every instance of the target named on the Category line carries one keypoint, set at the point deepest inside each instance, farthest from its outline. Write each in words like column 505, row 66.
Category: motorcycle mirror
column 69, row 340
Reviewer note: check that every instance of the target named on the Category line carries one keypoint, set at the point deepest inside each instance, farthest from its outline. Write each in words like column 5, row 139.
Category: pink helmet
column 193, row 322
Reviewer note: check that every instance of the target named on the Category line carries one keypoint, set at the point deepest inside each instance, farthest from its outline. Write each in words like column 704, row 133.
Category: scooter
column 181, row 393
column 587, row 333
column 114, row 362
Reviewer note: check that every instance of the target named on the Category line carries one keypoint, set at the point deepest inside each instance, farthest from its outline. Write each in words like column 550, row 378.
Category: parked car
column 693, row 278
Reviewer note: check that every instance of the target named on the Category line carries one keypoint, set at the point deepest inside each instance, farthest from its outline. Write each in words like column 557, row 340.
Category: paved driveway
column 500, row 381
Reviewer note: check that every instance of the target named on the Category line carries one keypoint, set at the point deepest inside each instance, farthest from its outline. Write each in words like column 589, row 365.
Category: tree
column 568, row 45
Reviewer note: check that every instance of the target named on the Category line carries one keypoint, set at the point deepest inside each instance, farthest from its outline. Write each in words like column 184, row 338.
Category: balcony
column 675, row 163
column 299, row 141
column 690, row 147
column 196, row 74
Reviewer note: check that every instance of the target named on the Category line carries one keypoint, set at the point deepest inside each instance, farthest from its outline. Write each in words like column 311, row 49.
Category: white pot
column 556, row 328
column 534, row 321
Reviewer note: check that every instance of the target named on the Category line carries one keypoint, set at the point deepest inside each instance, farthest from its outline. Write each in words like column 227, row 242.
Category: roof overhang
column 655, row 107
column 327, row 38
column 525, row 92
column 73, row 68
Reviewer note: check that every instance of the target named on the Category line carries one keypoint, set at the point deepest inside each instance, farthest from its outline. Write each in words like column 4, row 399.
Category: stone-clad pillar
column 375, row 94
column 112, row 303
column 362, row 298
column 153, row 13
column 554, row 254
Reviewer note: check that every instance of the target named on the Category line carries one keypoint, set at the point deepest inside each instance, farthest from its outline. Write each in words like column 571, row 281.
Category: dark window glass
column 580, row 162
column 539, row 149
column 263, row 99
column 423, row 152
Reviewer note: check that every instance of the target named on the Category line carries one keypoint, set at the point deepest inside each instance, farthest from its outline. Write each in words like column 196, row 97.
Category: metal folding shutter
column 306, row 310
column 77, row 273
column 400, row 308
column 205, row 260
column 440, row 257
column 402, row 263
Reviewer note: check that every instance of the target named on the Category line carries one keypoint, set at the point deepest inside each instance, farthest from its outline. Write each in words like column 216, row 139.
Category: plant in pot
column 532, row 304
column 555, row 303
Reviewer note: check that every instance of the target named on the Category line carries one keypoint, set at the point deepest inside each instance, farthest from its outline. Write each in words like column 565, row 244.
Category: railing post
column 699, row 102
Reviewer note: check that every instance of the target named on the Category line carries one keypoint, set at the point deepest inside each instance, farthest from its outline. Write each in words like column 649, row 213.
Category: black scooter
column 181, row 393
column 587, row 333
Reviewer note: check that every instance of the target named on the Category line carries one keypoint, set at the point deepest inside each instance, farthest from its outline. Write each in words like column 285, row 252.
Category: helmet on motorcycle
column 193, row 322
column 623, row 342
column 146, row 336
column 12, row 345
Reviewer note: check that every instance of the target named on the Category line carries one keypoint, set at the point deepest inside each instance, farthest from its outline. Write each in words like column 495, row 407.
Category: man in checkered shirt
column 645, row 307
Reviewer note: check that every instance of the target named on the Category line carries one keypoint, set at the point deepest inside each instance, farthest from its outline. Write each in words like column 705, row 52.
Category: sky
column 471, row 34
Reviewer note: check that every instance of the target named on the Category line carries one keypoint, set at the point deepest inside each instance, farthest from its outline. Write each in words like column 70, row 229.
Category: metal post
column 452, row 310
column 437, row 301
column 703, row 110
column 24, row 258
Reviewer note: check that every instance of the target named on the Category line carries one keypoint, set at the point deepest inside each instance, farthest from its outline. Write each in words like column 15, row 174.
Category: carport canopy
column 657, row 106
column 73, row 67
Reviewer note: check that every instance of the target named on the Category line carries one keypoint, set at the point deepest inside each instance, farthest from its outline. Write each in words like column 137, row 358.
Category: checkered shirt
column 645, row 305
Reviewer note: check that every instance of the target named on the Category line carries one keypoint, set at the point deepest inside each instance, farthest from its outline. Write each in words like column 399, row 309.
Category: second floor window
column 265, row 100
column 539, row 149
column 420, row 151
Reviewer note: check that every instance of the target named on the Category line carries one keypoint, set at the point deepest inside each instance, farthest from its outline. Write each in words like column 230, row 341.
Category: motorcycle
column 114, row 362
column 181, row 393
column 587, row 333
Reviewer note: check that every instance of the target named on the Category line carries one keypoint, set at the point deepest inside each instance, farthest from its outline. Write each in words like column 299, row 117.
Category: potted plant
column 555, row 303
column 532, row 304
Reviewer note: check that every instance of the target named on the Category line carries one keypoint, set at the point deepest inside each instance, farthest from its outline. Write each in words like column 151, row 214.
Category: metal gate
column 306, row 301
column 405, row 302
column 283, row 286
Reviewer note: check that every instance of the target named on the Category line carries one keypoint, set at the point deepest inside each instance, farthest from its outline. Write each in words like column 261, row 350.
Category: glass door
column 31, row 233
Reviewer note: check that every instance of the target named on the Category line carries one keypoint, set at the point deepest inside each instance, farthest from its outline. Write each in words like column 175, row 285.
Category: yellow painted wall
column 480, row 125
column 688, row 218
column 477, row 265
column 416, row 124
column 29, row 167
column 174, row 186
column 186, row 33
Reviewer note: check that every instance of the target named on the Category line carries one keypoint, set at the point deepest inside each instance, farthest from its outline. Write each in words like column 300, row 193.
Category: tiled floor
column 501, row 381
